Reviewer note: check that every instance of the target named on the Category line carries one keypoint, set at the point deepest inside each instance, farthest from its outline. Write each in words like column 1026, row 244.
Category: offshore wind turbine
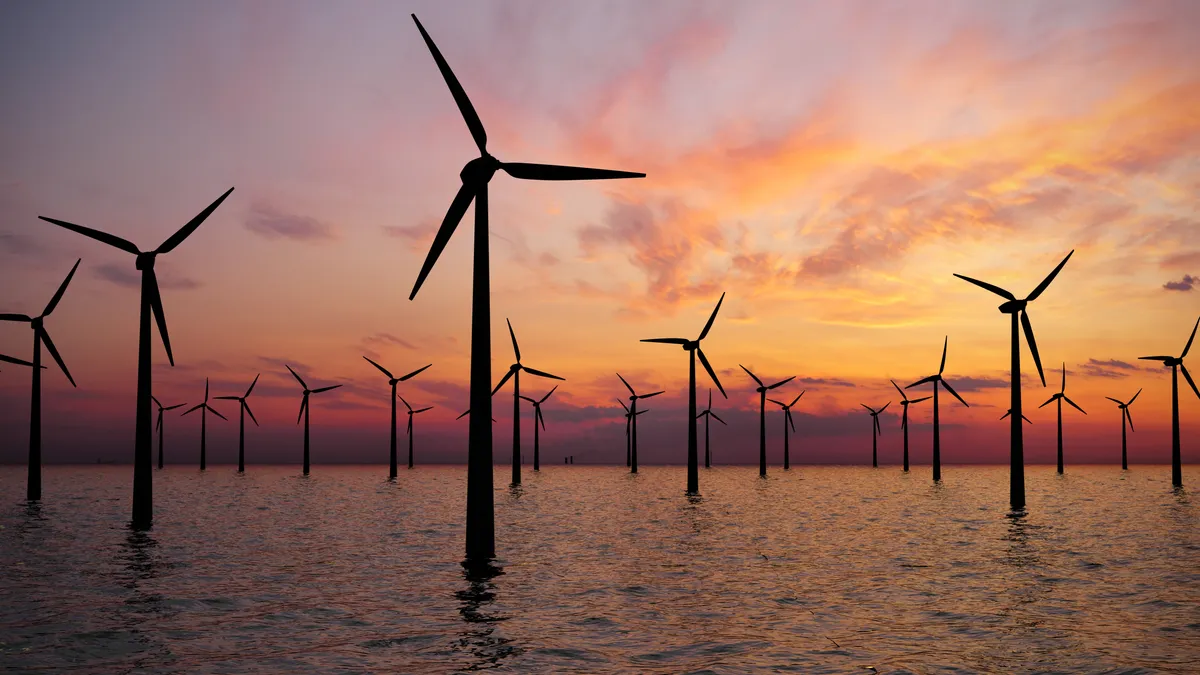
column 475, row 176
column 33, row 483
column 304, row 409
column 393, row 380
column 787, row 419
column 631, row 435
column 159, row 425
column 514, row 371
column 693, row 349
column 762, row 417
column 537, row 418
column 707, row 413
column 632, row 410
column 204, row 409
column 1124, row 408
column 1015, row 307
column 151, row 303
column 1175, row 363
column 412, row 412
column 243, row 408
column 937, row 430
column 876, row 431
column 1060, row 397
column 904, row 403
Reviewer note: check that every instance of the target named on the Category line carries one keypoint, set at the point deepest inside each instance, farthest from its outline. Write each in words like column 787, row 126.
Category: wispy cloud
column 1187, row 283
column 273, row 223
column 126, row 275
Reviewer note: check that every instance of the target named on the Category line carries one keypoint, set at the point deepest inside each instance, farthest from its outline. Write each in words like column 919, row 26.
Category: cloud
column 275, row 224
column 1185, row 284
column 1112, row 368
column 418, row 236
column 978, row 383
column 824, row 382
column 381, row 339
column 126, row 275
column 20, row 244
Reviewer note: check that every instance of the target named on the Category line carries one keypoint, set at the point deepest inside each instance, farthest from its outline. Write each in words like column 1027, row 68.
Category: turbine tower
column 632, row 410
column 1124, row 408
column 159, row 426
column 904, row 403
column 538, row 419
column 1060, row 397
column 393, row 380
column 412, row 412
column 304, row 409
column 937, row 430
column 243, row 408
column 1175, row 363
column 707, row 413
column 204, row 409
column 787, row 419
column 514, row 371
column 762, row 417
column 876, row 431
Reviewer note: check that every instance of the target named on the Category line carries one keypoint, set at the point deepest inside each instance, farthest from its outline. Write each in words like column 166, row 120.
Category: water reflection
column 481, row 638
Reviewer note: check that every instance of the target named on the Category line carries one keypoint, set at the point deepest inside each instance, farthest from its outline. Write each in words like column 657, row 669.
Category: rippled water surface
column 813, row 570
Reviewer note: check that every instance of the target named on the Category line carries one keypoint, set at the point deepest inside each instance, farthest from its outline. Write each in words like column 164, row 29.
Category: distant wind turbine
column 631, row 435
column 159, row 425
column 151, row 302
column 1060, row 397
column 693, row 349
column 243, row 408
column 904, row 403
column 633, row 399
column 1124, row 408
column 937, row 430
column 514, row 372
column 1015, row 307
column 33, row 484
column 475, row 176
column 707, row 413
column 876, row 431
column 762, row 418
column 393, row 380
column 787, row 420
column 204, row 409
column 412, row 412
column 304, row 407
column 1175, row 363
column 538, row 419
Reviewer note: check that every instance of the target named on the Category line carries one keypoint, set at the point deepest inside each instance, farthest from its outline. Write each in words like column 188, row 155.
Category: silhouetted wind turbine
column 1013, row 306
column 1009, row 412
column 1060, row 397
column 537, row 418
column 762, row 417
column 412, row 412
column 243, row 409
column 159, row 425
column 633, row 399
column 1124, row 407
column 693, row 349
column 631, row 436
column 707, row 413
column 151, row 302
column 876, row 431
column 304, row 409
column 204, row 409
column 787, row 419
column 904, row 403
column 393, row 380
column 514, row 371
column 937, row 430
column 33, row 484
column 475, row 177
column 1175, row 363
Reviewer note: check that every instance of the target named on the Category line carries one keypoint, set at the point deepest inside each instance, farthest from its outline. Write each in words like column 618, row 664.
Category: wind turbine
column 412, row 412
column 151, row 302
column 707, row 413
column 475, row 176
column 762, row 417
column 787, row 419
column 1009, row 412
column 631, row 435
column 1060, row 397
column 633, row 399
column 393, row 380
column 243, row 408
column 537, row 418
column 1176, row 365
column 204, row 409
column 159, row 426
column 1015, row 307
column 937, row 430
column 304, row 409
column 33, row 485
column 876, row 431
column 904, row 403
column 693, row 349
column 514, row 371
column 1124, row 407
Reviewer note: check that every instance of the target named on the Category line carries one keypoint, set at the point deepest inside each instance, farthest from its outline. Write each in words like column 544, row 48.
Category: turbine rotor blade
column 381, row 368
column 918, row 400
column 456, row 90
column 651, row 395
column 1129, row 416
column 1050, row 400
column 668, row 341
column 1187, row 376
column 708, row 367
column 885, row 406
column 1006, row 414
column 295, row 376
column 1139, row 391
column 543, row 399
column 954, row 393
column 1185, row 348
column 1120, row 403
column 781, row 404
column 303, row 405
column 177, row 405
column 15, row 361
column 1050, row 277
column 454, row 215
column 227, row 398
column 54, row 354
column 528, row 171
column 1037, row 360
column 192, row 409
column 317, row 391
column 249, row 412
column 760, row 382
column 511, row 334
column 413, row 374
column 158, row 424
column 507, row 374
column 945, row 344
column 247, row 395
column 796, row 400
column 631, row 391
column 406, row 405
column 1074, row 406
column 104, row 237
column 623, row 405
column 16, row 317
column 160, row 318
column 792, row 422
column 421, row 410
column 927, row 380
column 1064, row 378
column 711, row 319
column 1164, row 359
column 899, row 389
column 156, row 401
column 540, row 418
column 213, row 411
column 533, row 371
column 985, row 285
column 715, row 417
column 464, row 414
column 62, row 288
column 781, row 382
column 185, row 231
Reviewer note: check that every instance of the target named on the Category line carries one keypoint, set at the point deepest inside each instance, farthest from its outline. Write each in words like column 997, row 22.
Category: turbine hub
column 515, row 367
column 145, row 261
column 1170, row 363
column 691, row 346
column 479, row 170
column 761, row 390
column 36, row 324
column 1013, row 306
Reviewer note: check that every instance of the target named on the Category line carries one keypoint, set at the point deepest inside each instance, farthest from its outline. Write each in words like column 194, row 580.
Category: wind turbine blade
column 295, row 376
column 1185, row 348
column 381, row 369
column 872, row 410
column 456, row 90
column 1064, row 378
column 541, row 419
column 927, row 380
column 511, row 334
column 708, row 367
column 1026, row 419
column 410, row 424
column 1006, row 414
column 1037, row 360
column 1074, row 406
column 331, row 387
column 885, row 406
column 918, row 400
column 421, row 410
column 985, row 285
column 1129, row 416
column 252, row 386
column 781, row 404
column 160, row 318
column 668, row 341
column 454, row 215
column 58, row 359
column 945, row 344
column 1187, row 376
column 792, row 422
column 539, row 373
column 1048, row 401
column 899, row 389
column 156, row 401
column 543, row 399
column 185, row 231
column 1139, row 391
column 104, row 237
column 504, row 379
column 641, row 412
column 878, row 428
column 527, row 399
column 954, row 393
column 464, row 414
column 213, row 411
column 177, row 405
column 781, row 382
column 904, row 420
column 62, row 288
column 206, row 390
column 623, row 405
column 631, row 391
column 556, row 172
column 760, row 383
column 797, row 399
column 14, row 361
column 227, row 398
column 406, row 405
column 250, row 412
column 414, row 373
column 158, row 424
column 192, row 409
column 711, row 319
column 16, row 317
column 1050, row 277
column 717, row 418
column 1121, row 403
column 1164, row 359
column 710, row 398
column 652, row 394
column 303, row 405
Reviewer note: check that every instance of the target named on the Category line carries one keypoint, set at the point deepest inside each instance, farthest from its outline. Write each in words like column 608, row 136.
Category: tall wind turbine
column 412, row 412
column 876, row 431
column 475, row 176
column 1060, row 397
column 904, row 403
column 33, row 484
column 632, row 410
column 393, row 380
column 693, row 349
column 243, row 409
column 762, row 417
column 304, row 409
column 159, row 425
column 707, row 413
column 787, row 419
column 151, row 302
column 204, row 409
column 1175, row 363
column 1124, row 408
column 537, row 418
column 514, row 371
column 937, row 430
column 1015, row 307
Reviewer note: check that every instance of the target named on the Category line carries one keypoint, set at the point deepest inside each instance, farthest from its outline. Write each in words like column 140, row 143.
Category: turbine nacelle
column 1013, row 306
column 145, row 261
column 480, row 170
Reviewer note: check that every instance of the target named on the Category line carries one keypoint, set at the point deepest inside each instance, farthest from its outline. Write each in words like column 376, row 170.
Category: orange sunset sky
column 828, row 165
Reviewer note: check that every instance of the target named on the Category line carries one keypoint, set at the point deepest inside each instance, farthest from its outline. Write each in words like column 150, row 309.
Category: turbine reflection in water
column 481, row 637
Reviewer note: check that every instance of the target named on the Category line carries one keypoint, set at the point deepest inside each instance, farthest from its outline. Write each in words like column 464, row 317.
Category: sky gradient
column 828, row 165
